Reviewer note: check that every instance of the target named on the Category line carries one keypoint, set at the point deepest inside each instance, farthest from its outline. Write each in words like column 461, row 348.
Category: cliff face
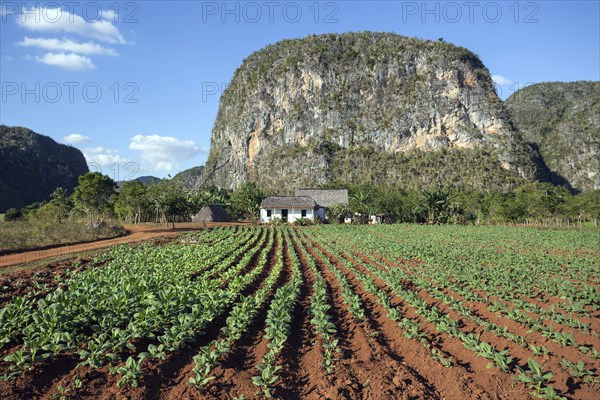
column 563, row 119
column 190, row 178
column 296, row 112
column 33, row 165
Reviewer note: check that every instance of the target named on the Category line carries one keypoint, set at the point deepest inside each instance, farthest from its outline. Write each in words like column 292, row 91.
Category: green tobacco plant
column 130, row 372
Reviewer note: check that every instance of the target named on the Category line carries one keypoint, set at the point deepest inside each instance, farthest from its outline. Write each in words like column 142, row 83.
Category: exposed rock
column 563, row 119
column 190, row 178
column 297, row 109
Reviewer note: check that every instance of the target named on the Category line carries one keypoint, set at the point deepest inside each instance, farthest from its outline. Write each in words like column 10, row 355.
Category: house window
column 268, row 213
column 303, row 213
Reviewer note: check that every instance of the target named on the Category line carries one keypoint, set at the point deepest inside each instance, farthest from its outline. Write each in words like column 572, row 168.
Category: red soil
column 376, row 362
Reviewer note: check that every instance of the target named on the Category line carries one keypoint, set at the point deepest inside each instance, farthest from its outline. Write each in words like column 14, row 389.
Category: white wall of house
column 293, row 214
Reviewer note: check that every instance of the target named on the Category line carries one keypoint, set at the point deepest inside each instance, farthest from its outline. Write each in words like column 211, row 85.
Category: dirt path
column 137, row 233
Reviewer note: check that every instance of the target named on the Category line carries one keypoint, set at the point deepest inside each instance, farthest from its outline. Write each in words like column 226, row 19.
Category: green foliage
column 29, row 211
column 437, row 203
column 246, row 200
column 322, row 320
column 529, row 203
column 451, row 259
column 12, row 214
column 238, row 321
column 130, row 372
column 132, row 204
column 304, row 222
column 141, row 293
column 34, row 165
column 431, row 281
column 561, row 119
column 337, row 213
column 360, row 202
column 278, row 324
column 369, row 93
column 536, row 377
column 206, row 196
column 94, row 195
column 281, row 169
column 59, row 208
column 169, row 202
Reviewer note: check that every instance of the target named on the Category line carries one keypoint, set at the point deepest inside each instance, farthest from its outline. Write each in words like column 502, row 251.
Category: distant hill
column 190, row 178
column 147, row 179
column 366, row 108
column 33, row 165
column 563, row 119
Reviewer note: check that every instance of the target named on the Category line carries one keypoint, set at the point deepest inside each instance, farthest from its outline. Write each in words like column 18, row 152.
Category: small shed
column 290, row 209
column 212, row 213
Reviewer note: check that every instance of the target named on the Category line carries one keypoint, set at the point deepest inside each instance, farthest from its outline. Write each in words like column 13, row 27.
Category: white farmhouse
column 308, row 203
column 290, row 209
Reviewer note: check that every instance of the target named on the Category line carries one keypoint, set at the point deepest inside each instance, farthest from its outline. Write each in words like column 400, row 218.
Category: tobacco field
column 318, row 312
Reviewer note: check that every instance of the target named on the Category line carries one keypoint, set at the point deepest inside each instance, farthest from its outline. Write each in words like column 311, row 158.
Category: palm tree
column 437, row 203
column 209, row 196
column 361, row 205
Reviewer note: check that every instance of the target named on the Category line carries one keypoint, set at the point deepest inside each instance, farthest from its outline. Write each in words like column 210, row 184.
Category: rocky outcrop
column 297, row 109
column 33, row 165
column 563, row 119
column 189, row 179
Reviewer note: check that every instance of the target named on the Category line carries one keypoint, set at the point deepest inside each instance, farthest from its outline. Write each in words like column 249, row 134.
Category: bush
column 304, row 222
column 12, row 214
column 277, row 221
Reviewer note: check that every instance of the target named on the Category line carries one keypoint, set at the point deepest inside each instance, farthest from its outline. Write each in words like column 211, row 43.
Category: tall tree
column 360, row 202
column 211, row 195
column 438, row 204
column 94, row 195
column 246, row 200
column 169, row 202
column 59, row 207
column 132, row 202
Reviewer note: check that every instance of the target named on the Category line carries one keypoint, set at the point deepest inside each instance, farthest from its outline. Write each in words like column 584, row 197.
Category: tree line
column 530, row 203
column 98, row 198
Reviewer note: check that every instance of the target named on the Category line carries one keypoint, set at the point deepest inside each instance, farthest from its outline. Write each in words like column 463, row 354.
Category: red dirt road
column 137, row 233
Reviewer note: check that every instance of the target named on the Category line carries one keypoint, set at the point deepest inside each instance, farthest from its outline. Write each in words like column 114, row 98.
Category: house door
column 284, row 215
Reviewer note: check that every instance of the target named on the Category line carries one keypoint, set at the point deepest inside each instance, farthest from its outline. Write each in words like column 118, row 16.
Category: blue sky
column 136, row 85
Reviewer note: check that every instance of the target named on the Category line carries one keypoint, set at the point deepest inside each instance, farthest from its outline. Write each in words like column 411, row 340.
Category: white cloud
column 165, row 152
column 109, row 15
column 102, row 156
column 44, row 19
column 66, row 45
column 76, row 138
column 501, row 80
column 9, row 58
column 71, row 61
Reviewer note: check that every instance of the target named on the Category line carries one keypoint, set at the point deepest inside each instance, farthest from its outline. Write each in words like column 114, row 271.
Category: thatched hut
column 212, row 213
